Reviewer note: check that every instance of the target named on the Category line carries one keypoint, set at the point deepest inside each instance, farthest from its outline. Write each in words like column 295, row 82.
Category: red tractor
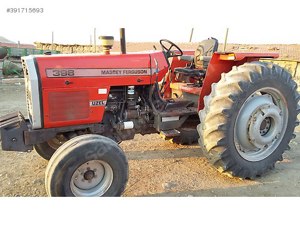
column 81, row 106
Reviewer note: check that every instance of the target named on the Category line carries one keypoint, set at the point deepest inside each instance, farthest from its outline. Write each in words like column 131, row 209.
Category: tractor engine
column 128, row 112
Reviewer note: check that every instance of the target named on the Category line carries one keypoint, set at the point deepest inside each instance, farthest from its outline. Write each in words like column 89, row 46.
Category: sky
column 73, row 22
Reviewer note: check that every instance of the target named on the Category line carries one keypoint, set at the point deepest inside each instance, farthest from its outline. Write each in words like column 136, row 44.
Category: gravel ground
column 156, row 167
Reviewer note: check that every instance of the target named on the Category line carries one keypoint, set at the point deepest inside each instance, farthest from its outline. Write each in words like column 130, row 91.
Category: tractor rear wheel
column 87, row 165
column 249, row 119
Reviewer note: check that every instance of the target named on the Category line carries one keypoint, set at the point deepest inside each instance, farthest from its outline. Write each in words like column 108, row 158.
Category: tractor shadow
column 163, row 171
column 164, row 154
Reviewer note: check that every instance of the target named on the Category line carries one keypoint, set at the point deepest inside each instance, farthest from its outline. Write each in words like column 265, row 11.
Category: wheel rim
column 260, row 124
column 93, row 178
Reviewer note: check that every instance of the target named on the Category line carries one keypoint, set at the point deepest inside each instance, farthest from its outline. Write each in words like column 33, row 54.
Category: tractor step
column 167, row 134
column 179, row 112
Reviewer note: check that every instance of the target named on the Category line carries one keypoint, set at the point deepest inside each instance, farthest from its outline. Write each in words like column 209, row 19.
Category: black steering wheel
column 168, row 48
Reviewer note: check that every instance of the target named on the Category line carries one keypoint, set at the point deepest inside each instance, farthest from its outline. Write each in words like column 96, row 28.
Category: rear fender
column 223, row 63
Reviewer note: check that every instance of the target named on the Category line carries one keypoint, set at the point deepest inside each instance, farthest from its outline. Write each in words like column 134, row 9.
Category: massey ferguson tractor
column 81, row 106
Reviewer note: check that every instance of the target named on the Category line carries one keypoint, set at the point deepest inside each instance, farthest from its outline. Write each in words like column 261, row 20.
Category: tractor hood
column 58, row 81
column 122, row 69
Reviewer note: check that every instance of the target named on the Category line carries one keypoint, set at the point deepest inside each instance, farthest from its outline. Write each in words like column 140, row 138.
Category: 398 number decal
column 63, row 73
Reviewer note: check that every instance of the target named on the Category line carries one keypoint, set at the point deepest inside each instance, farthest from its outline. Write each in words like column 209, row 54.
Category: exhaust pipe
column 122, row 40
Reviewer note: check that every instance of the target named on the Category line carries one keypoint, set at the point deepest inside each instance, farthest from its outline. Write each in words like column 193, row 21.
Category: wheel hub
column 266, row 117
column 92, row 178
column 265, row 126
column 258, row 126
column 89, row 175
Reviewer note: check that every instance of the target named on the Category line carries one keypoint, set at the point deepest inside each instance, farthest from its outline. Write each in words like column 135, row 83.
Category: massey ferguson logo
column 96, row 72
column 123, row 72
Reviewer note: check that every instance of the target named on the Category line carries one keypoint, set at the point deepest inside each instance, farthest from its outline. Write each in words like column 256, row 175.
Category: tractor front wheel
column 249, row 119
column 87, row 165
column 47, row 149
column 44, row 150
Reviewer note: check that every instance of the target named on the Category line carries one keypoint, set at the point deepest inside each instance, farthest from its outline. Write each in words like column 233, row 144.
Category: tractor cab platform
column 185, row 87
column 187, row 81
column 188, row 91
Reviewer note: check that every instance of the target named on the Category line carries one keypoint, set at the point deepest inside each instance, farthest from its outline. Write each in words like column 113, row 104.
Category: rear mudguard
column 223, row 63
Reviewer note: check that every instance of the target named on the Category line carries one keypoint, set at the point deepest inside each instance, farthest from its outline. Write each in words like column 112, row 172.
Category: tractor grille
column 70, row 105
column 27, row 90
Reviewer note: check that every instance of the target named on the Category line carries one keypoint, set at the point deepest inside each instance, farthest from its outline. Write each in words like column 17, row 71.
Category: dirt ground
column 156, row 167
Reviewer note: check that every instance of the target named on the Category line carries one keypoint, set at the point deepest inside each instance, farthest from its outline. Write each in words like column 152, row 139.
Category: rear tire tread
column 232, row 85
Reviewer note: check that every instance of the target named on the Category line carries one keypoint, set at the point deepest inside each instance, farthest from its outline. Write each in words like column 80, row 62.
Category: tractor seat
column 201, row 59
column 189, row 71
